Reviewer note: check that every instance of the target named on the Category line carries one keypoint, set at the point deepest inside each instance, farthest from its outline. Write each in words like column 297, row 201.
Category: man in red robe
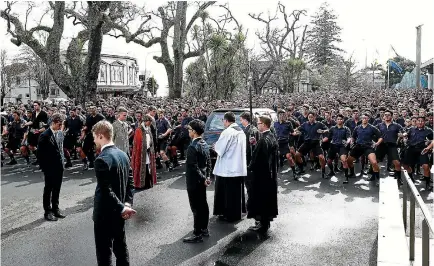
column 143, row 156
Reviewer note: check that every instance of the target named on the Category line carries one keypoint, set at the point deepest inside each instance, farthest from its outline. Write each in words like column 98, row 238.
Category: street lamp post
column 249, row 85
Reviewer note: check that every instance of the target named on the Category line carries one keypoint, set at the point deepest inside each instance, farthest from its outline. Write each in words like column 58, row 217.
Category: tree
column 172, row 15
column 9, row 71
column 222, row 69
column 348, row 77
column 152, row 86
column 78, row 75
column 38, row 69
column 323, row 37
column 407, row 65
column 4, row 87
column 276, row 47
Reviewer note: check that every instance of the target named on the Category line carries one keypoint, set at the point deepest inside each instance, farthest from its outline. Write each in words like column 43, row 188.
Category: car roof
column 255, row 110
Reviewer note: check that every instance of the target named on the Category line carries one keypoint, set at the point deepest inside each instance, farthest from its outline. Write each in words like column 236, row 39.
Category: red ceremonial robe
column 145, row 176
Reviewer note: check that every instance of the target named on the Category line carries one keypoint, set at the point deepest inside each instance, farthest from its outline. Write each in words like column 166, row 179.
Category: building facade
column 118, row 76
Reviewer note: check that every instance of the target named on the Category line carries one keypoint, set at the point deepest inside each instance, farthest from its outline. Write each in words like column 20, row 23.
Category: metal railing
column 410, row 190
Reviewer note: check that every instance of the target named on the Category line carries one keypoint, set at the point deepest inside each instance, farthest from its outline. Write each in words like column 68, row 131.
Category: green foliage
column 406, row 65
column 291, row 74
column 221, row 72
column 323, row 37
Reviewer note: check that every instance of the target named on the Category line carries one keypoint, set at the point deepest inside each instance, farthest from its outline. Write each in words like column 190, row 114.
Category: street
column 320, row 222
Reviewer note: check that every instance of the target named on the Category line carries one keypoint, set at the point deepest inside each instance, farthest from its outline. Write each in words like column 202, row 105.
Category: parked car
column 214, row 124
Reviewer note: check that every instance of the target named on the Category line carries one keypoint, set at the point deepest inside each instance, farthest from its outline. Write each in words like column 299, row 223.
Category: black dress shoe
column 331, row 174
column 59, row 214
column 193, row 239
column 255, row 227
column 205, row 232
column 50, row 217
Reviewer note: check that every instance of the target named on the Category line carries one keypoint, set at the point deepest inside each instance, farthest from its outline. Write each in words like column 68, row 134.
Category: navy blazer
column 49, row 157
column 198, row 164
column 114, row 184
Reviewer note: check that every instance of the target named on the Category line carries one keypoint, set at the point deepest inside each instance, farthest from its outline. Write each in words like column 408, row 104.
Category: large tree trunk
column 93, row 58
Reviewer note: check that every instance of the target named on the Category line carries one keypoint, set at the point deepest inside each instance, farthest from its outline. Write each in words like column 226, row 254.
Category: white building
column 118, row 76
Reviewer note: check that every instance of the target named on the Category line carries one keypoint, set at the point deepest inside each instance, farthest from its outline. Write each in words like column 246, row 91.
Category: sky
column 369, row 28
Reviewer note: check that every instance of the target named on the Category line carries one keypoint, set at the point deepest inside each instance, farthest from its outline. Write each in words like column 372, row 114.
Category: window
column 27, row 95
column 18, row 80
column 117, row 72
column 54, row 91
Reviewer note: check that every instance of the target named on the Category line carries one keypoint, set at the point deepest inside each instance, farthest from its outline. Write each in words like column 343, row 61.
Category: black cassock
column 262, row 180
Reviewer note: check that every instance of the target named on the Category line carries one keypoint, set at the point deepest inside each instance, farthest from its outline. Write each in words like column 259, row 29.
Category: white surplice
column 231, row 150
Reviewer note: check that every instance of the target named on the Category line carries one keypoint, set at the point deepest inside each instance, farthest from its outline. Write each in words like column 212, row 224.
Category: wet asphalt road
column 320, row 222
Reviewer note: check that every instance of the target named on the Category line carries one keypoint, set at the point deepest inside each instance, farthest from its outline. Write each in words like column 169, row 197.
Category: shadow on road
column 180, row 184
column 357, row 187
column 240, row 247
column 82, row 206
column 172, row 254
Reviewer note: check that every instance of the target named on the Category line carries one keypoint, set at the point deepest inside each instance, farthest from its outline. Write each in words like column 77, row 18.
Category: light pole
column 418, row 54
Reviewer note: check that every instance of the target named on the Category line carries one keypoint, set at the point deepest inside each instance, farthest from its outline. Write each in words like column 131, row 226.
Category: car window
column 216, row 121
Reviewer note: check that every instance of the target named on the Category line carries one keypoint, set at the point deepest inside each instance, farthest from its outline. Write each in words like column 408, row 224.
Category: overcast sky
column 367, row 26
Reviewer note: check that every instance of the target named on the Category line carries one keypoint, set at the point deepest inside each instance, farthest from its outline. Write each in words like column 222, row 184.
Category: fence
column 410, row 191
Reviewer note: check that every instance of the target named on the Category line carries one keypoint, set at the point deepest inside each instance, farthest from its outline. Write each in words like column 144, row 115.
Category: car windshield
column 216, row 122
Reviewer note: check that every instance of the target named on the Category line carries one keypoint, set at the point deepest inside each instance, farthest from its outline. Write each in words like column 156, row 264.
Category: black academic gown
column 262, row 201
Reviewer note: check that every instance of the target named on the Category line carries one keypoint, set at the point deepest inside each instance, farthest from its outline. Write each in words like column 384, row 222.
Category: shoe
column 50, row 217
column 372, row 178
column 263, row 228
column 205, row 232
column 91, row 166
column 68, row 164
column 12, row 162
column 255, row 227
column 86, row 166
column 362, row 173
column 59, row 214
column 331, row 174
column 346, row 180
column 193, row 239
column 296, row 177
column 323, row 175
column 300, row 172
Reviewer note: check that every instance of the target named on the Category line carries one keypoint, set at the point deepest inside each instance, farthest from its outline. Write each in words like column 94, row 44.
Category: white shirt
column 148, row 142
column 107, row 145
column 231, row 150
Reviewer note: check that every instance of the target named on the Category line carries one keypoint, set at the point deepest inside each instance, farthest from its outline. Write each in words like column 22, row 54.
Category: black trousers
column 229, row 197
column 89, row 148
column 199, row 207
column 110, row 235
column 53, row 182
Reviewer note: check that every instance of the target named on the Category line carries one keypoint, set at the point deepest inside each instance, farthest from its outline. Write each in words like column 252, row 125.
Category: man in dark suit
column 262, row 201
column 51, row 158
column 113, row 197
column 197, row 177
